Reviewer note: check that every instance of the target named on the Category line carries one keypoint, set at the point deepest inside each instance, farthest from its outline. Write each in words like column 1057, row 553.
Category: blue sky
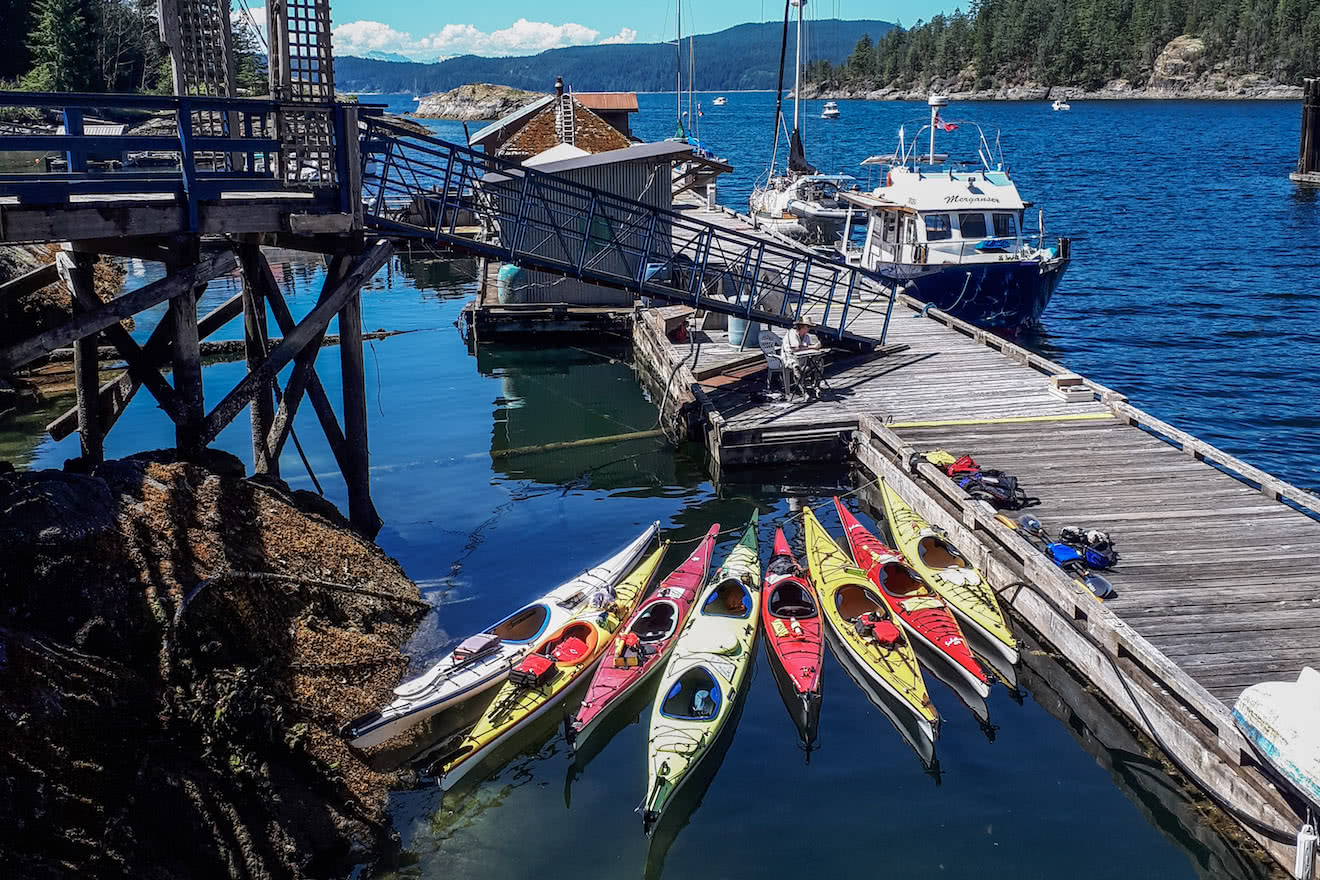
column 429, row 30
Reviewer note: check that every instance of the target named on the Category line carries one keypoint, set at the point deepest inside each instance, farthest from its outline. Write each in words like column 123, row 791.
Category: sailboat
column 801, row 202
column 704, row 166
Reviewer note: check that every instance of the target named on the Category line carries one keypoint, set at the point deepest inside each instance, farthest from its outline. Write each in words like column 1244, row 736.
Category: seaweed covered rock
column 178, row 647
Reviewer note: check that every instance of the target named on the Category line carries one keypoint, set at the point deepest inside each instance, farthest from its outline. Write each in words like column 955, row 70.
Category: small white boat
column 831, row 111
column 1060, row 104
column 720, row 101
column 1281, row 720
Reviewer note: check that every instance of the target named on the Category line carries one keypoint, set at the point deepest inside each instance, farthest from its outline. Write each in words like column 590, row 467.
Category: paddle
column 1098, row 585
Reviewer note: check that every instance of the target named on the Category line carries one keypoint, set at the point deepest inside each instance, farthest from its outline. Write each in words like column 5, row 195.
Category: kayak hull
column 452, row 681
column 797, row 654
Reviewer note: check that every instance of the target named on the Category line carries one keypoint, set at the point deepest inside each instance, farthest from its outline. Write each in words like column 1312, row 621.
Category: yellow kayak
column 706, row 675
column 942, row 567
column 864, row 625
column 544, row 677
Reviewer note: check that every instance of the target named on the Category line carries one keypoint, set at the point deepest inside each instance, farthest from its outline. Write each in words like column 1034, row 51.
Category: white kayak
column 483, row 661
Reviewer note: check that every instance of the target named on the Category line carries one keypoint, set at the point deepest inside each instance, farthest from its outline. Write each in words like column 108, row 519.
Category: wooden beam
column 29, row 282
column 131, row 248
column 116, row 394
column 141, row 371
column 76, row 271
column 116, row 310
column 361, row 513
column 304, row 368
column 256, row 342
column 186, row 360
column 295, row 340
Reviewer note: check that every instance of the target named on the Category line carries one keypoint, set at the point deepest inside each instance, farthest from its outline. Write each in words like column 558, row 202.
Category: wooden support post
column 256, row 345
column 76, row 270
column 187, row 367
column 358, row 477
column 1308, row 160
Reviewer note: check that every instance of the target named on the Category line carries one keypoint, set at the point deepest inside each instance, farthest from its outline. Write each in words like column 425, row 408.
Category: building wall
column 647, row 181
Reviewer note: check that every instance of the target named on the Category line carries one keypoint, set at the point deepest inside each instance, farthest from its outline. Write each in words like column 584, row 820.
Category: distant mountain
column 743, row 57
column 377, row 55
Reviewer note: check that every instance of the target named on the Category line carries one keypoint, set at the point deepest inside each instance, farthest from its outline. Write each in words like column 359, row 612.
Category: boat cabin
column 925, row 217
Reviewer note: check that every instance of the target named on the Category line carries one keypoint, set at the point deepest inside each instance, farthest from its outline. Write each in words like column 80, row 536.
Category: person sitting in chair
column 796, row 340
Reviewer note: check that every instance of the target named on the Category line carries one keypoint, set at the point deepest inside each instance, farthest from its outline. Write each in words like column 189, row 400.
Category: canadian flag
column 942, row 125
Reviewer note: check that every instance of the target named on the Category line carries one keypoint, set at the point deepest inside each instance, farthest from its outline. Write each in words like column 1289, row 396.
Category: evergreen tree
column 63, row 47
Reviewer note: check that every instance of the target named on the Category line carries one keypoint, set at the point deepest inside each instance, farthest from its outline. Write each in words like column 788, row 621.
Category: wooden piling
column 1308, row 160
column 76, row 270
column 360, row 510
column 187, row 358
column 256, row 342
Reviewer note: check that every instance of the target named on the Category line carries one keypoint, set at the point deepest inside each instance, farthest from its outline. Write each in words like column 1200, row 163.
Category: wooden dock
column 1201, row 533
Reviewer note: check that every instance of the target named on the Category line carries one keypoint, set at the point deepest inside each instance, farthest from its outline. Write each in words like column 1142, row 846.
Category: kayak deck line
column 1181, row 509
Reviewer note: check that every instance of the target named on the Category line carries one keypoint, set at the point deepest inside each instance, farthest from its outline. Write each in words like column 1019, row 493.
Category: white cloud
column 520, row 38
column 257, row 18
column 625, row 35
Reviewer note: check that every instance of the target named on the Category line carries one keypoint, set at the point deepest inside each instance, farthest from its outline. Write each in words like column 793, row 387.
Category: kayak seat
column 899, row 580
column 694, row 697
column 656, row 622
column 729, row 599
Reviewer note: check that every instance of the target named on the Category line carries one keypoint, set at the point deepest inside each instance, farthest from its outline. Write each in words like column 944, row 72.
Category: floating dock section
column 1215, row 587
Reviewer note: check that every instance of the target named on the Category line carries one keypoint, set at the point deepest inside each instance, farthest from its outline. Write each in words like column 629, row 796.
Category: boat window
column 972, row 225
column 890, row 227
column 938, row 227
column 694, row 697
column 791, row 600
column 729, row 599
column 656, row 623
column 1005, row 226
column 523, row 625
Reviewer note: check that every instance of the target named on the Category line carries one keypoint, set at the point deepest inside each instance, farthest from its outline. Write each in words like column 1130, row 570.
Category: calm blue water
column 1192, row 290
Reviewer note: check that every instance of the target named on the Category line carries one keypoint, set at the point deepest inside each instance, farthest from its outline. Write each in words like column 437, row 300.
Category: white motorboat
column 483, row 661
column 951, row 234
column 831, row 111
column 720, row 101
column 1060, row 104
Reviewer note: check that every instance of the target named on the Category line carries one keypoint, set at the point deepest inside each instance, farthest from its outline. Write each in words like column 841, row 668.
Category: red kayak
column 793, row 637
column 641, row 645
column 921, row 610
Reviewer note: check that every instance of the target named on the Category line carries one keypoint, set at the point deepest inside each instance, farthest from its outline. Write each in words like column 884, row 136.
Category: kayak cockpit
column 657, row 622
column 854, row 600
column 694, row 697
column 571, row 645
column 729, row 599
column 791, row 599
column 899, row 580
column 523, row 625
column 937, row 554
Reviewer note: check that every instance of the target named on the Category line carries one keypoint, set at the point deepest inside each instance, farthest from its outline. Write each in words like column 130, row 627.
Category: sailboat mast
column 692, row 120
column 797, row 66
column 678, row 69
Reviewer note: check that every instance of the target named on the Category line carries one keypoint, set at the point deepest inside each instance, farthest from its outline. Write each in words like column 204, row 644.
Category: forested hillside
column 1085, row 43
column 741, row 57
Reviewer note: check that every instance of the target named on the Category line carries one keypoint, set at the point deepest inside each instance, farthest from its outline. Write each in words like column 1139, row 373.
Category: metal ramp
column 428, row 189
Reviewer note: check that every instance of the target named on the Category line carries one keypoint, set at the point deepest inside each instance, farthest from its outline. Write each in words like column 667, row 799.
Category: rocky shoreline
column 179, row 646
column 477, row 102
column 1179, row 72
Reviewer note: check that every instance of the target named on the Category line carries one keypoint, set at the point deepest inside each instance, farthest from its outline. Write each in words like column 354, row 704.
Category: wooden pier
column 1215, row 588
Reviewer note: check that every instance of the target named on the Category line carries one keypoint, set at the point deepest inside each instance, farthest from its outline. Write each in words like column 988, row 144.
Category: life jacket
column 998, row 488
column 872, row 625
column 965, row 466
column 534, row 671
column 1095, row 546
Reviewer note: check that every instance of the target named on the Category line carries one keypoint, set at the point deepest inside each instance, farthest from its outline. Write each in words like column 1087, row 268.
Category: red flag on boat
column 944, row 126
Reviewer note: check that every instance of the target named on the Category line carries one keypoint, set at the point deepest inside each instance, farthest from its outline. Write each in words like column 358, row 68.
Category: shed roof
column 513, row 121
column 660, row 149
column 624, row 101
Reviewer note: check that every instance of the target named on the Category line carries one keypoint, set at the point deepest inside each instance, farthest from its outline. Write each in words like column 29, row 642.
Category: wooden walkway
column 1216, row 583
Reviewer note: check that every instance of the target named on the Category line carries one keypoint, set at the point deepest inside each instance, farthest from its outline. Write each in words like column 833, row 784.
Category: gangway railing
column 426, row 188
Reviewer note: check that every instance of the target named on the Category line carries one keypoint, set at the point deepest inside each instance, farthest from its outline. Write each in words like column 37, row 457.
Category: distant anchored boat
column 720, row 101
column 954, row 237
column 831, row 111
column 1060, row 104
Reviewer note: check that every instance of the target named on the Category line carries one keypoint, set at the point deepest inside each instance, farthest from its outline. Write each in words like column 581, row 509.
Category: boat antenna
column 779, row 91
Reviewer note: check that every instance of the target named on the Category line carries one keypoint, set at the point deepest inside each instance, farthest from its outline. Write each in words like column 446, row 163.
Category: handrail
column 121, row 101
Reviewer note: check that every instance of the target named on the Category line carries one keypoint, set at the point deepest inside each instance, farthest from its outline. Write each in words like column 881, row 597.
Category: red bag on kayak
column 533, row 671
column 963, row 467
column 570, row 650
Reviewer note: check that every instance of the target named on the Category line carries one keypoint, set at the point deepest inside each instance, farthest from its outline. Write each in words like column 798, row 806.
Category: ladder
column 566, row 120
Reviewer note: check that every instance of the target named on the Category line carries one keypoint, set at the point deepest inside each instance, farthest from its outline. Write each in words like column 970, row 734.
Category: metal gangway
column 427, row 189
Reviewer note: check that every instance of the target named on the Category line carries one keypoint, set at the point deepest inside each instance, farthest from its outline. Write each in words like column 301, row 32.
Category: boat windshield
column 656, row 623
column 694, row 697
column 729, row 599
column 792, row 600
column 938, row 554
column 523, row 625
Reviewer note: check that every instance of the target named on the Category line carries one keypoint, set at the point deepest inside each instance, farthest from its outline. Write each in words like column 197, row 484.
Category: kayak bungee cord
column 1276, row 834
